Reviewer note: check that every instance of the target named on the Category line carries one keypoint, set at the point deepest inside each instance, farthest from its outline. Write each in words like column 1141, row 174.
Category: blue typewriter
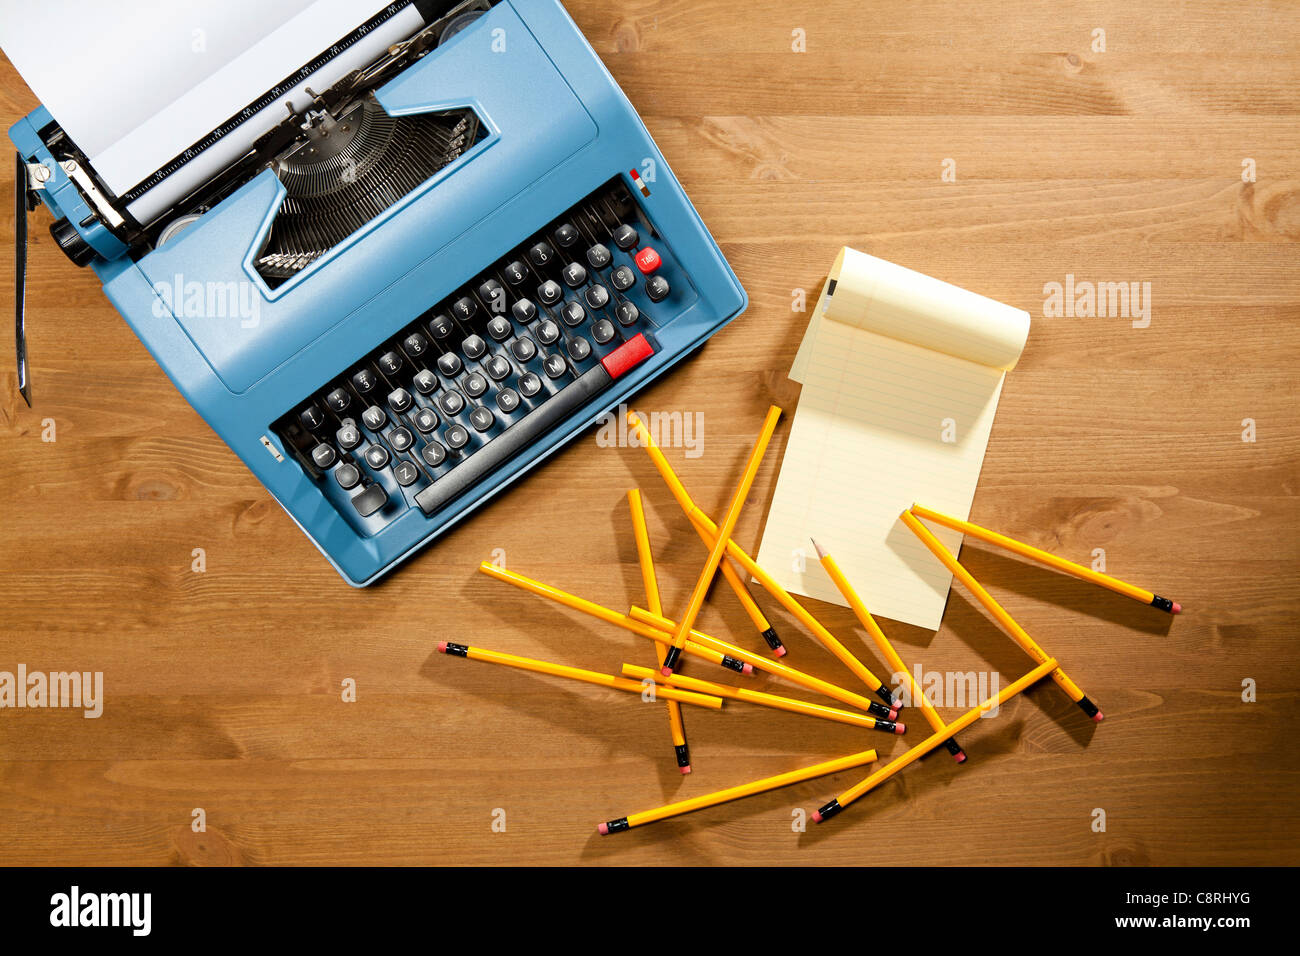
column 428, row 255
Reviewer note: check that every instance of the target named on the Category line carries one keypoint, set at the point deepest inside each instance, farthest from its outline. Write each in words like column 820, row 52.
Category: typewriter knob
column 74, row 246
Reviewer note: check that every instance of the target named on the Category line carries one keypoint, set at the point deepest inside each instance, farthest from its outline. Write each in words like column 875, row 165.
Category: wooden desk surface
column 223, row 688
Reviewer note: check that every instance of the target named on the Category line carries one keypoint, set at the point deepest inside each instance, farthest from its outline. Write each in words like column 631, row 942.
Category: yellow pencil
column 886, row 649
column 826, row 688
column 732, row 514
column 1008, row 623
column 575, row 673
column 659, row 629
column 774, row 701
column 612, row 617
column 735, row 793
column 709, row 531
column 1049, row 559
column 934, row 740
column 642, row 535
column 766, row 631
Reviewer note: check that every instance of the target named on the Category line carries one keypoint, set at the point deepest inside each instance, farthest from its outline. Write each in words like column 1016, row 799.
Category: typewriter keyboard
column 423, row 417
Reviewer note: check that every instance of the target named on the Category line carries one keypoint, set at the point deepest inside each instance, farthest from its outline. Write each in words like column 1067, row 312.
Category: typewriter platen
column 402, row 297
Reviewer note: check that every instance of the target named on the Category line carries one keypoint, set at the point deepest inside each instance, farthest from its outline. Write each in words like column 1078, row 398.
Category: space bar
column 531, row 428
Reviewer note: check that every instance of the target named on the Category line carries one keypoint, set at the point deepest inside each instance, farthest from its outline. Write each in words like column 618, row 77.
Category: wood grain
column 223, row 688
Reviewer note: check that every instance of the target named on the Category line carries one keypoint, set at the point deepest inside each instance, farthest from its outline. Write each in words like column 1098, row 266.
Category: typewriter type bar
column 421, row 419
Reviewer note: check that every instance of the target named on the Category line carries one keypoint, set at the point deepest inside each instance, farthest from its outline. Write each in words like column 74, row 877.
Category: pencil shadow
column 906, row 636
column 569, row 637
column 997, row 568
column 536, row 696
column 972, row 628
column 935, row 770
column 684, row 834
column 620, row 516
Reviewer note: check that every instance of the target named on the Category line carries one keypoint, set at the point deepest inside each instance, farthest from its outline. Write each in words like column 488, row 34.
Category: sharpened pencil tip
column 821, row 552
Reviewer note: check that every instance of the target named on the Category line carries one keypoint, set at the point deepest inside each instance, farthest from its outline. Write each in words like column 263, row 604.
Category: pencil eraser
column 817, row 816
column 666, row 671
column 686, row 769
column 747, row 669
column 1098, row 716
column 779, row 651
column 959, row 756
column 893, row 712
column 602, row 829
column 442, row 647
column 1178, row 608
column 900, row 728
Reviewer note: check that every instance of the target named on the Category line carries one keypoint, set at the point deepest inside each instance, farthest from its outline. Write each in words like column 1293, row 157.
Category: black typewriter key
column 493, row 294
column 463, row 308
column 347, row 476
column 516, row 272
column 405, row 473
column 529, row 384
column 364, row 381
column 415, row 345
column 451, row 402
column 399, row 400
column 474, row 347
column 626, row 237
column 349, row 436
column 627, row 313
column 390, row 363
column 622, row 278
column 401, row 439
column 480, row 416
column 602, row 331
column 497, row 367
column 370, row 500
column 376, row 456
column 566, row 235
column 449, row 364
column 324, row 455
column 548, row 333
column 312, row 417
column 656, row 287
column 507, row 400
column 523, row 349
column 425, row 420
column 524, row 311
column 374, row 418
column 441, row 327
column 426, row 381
column 339, row 400
column 550, row 292
column 598, row 256
column 433, row 454
column 474, row 385
column 456, row 436
column 554, row 366
column 574, row 275
column 573, row 314
column 597, row 297
column 541, row 254
column 499, row 328
column 579, row 348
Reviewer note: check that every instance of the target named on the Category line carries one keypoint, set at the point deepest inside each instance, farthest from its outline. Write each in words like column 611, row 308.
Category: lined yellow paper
column 901, row 377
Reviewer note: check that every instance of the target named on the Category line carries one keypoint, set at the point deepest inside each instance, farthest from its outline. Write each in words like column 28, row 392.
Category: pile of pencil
column 674, row 639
